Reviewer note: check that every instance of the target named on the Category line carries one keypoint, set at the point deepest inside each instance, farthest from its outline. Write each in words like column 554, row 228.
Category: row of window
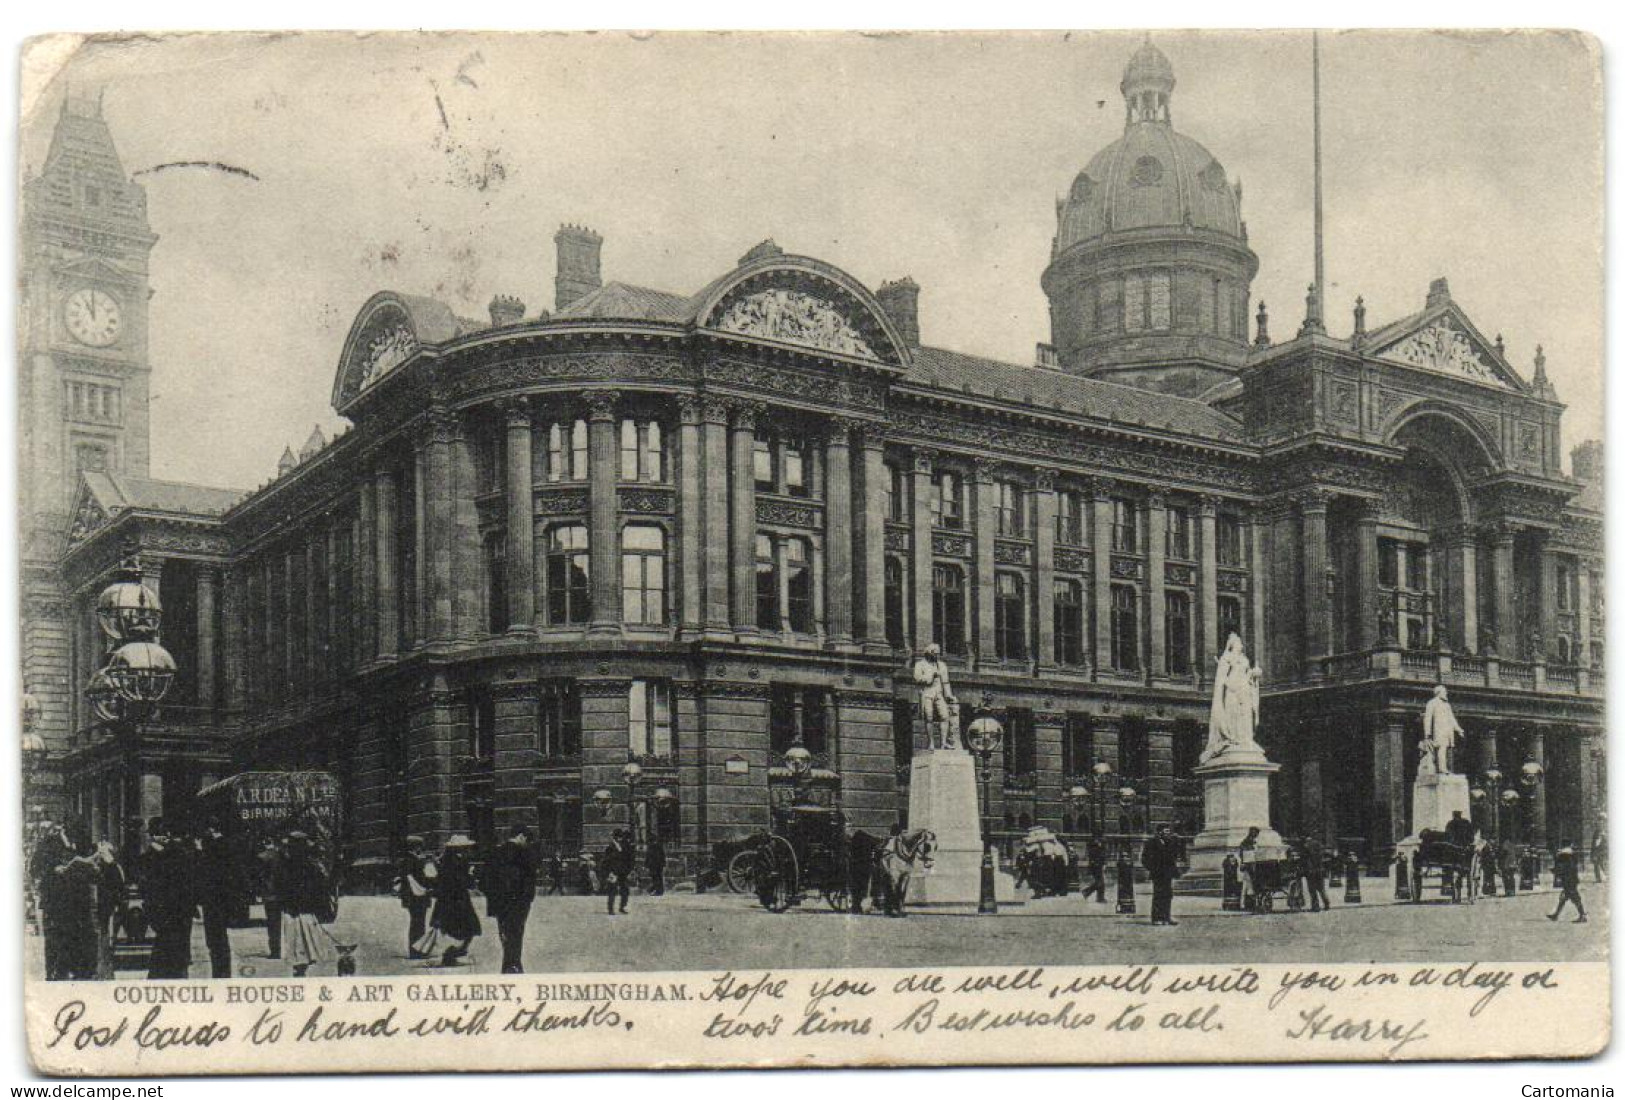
column 1013, row 519
column 1144, row 302
column 1568, row 587
column 1011, row 633
column 93, row 401
column 567, row 576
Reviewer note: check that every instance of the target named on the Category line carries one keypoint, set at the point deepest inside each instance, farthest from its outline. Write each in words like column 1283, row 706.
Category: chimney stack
column 1438, row 292
column 578, row 274
column 901, row 301
column 1586, row 458
column 506, row 310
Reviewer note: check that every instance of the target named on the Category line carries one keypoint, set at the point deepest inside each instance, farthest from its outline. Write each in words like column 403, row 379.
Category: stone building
column 694, row 530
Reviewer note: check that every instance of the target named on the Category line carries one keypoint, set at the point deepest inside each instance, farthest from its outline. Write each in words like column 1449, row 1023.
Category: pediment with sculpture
column 1447, row 346
column 804, row 302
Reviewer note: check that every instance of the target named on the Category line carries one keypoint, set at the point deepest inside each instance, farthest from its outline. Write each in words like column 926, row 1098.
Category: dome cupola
column 1150, row 271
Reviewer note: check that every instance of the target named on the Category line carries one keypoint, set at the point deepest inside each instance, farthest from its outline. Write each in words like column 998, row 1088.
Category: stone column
column 1461, row 565
column 1317, row 607
column 1389, row 783
column 691, row 532
column 602, row 509
column 1101, row 574
column 1207, row 591
column 521, row 534
column 366, row 574
column 293, row 562
column 1582, row 619
column 235, row 629
column 1258, row 647
column 1044, row 567
column 742, row 519
column 985, row 524
column 1160, row 740
column 420, row 546
column 1365, row 578
column 714, row 432
column 317, row 665
column 1548, row 598
column 924, row 559
column 1535, row 746
column 1503, row 538
column 838, row 532
column 384, row 569
column 208, row 581
column 438, row 531
column 468, row 594
column 1156, row 557
column 872, row 568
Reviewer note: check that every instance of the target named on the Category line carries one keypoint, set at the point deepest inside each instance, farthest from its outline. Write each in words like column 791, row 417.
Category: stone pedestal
column 1434, row 799
column 1235, row 799
column 942, row 797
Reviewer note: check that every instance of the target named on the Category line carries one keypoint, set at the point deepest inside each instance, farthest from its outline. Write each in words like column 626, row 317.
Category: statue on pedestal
column 937, row 703
column 1234, row 720
column 1439, row 732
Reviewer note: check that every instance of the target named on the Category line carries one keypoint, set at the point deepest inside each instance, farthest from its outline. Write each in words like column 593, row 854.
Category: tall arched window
column 643, row 574
column 894, row 601
column 1069, row 622
column 798, row 585
column 569, row 596
column 767, row 584
column 567, row 451
column 948, row 608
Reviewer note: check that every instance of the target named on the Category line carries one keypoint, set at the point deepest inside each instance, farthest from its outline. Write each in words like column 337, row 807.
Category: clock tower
column 82, row 370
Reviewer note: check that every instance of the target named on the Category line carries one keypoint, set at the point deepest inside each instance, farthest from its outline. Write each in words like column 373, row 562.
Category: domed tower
column 1150, row 272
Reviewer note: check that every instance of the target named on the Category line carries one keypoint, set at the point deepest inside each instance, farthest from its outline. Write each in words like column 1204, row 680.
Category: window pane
column 654, row 457
column 629, row 450
column 795, row 478
column 578, row 451
column 638, row 718
column 762, row 457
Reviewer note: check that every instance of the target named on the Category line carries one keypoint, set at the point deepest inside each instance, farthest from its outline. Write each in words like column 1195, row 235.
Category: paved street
column 715, row 931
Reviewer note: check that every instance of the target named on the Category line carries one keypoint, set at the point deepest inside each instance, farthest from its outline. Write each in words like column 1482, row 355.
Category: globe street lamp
column 798, row 761
column 1099, row 779
column 985, row 736
column 139, row 671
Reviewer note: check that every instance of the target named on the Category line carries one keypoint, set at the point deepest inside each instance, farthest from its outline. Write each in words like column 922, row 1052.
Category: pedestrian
column 1566, row 877
column 51, row 850
column 861, row 853
column 1314, row 874
column 1509, row 867
column 615, row 870
column 111, row 896
column 304, row 890
column 168, row 892
column 1599, row 852
column 1247, row 854
column 414, row 885
column 1097, row 870
column 218, row 892
column 268, row 869
column 74, row 906
column 453, row 918
column 510, row 890
column 555, row 873
column 655, row 860
column 1161, row 861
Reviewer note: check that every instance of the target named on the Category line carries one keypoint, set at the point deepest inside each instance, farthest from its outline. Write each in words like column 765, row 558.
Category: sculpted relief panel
column 795, row 317
column 1442, row 347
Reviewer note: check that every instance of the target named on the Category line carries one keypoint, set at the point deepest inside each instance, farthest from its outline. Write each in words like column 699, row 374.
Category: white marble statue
column 1234, row 720
column 937, row 702
column 1439, row 733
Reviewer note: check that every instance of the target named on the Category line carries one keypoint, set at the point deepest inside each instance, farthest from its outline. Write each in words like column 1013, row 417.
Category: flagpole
column 1317, row 318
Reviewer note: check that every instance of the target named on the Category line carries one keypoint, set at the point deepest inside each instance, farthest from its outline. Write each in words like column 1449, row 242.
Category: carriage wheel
column 787, row 891
column 742, row 873
column 1294, row 896
column 1266, row 902
column 837, row 899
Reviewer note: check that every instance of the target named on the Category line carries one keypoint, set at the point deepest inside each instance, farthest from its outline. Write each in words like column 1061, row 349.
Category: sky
column 442, row 164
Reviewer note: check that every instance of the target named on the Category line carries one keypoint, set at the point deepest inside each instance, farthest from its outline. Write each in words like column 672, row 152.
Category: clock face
column 92, row 317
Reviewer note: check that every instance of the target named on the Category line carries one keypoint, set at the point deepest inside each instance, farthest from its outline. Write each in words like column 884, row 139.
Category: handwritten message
column 923, row 1016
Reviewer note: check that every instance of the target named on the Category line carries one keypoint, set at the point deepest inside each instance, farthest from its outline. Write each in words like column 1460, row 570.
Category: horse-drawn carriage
column 1456, row 867
column 1270, row 877
column 807, row 853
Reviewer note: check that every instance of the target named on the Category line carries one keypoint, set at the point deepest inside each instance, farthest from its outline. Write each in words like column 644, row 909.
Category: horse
column 896, row 864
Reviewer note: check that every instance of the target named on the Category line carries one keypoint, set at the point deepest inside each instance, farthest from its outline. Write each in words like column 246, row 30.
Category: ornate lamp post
column 985, row 736
column 1126, row 797
column 1100, row 779
column 139, row 671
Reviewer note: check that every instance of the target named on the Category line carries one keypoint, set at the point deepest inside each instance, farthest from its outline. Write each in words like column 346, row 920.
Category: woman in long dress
column 1232, row 718
column 454, row 917
column 303, row 890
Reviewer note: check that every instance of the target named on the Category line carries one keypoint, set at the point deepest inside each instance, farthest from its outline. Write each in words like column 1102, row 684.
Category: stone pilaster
column 384, row 565
column 742, row 525
column 234, row 626
column 1101, row 574
column 924, row 559
column 1160, row 742
column 985, row 524
column 714, row 438
column 1535, row 746
column 1503, row 538
column 602, row 507
column 871, row 566
column 439, row 534
column 1365, row 580
column 521, row 533
column 208, row 583
column 1047, row 727
column 691, row 532
column 868, row 773
column 839, row 530
column 432, row 774
column 1317, row 609
column 1156, row 557
column 316, row 596
column 1044, row 566
column 1389, row 784
column 1207, row 587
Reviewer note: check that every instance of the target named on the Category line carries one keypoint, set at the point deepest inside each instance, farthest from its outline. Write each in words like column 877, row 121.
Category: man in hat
column 51, row 850
column 268, row 869
column 616, row 869
column 1161, row 861
column 414, row 885
column 1566, row 877
column 1096, row 851
column 168, row 889
column 655, row 860
column 218, row 891
column 510, row 890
